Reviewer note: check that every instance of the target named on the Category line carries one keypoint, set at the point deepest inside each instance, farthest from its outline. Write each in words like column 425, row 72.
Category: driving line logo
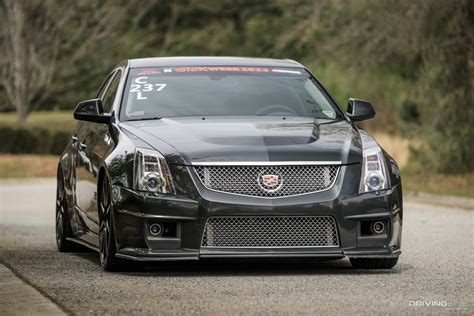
column 456, row 306
column 427, row 303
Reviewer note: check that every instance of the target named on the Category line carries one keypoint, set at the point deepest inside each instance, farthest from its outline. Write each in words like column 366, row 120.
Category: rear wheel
column 107, row 248
column 373, row 263
column 63, row 228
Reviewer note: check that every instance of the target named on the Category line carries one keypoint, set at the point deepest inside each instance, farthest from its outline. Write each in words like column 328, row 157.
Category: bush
column 32, row 140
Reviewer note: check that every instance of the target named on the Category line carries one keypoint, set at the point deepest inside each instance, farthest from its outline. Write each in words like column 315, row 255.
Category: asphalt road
column 436, row 267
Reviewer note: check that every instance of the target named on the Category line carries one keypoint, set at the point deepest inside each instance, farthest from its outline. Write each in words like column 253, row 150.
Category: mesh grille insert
column 315, row 231
column 268, row 181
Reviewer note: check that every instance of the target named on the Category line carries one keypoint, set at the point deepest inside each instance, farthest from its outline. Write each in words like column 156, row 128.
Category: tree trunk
column 22, row 114
column 470, row 96
column 470, row 79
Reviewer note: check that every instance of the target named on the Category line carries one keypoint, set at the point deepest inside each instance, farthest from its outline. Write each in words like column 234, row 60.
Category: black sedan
column 211, row 157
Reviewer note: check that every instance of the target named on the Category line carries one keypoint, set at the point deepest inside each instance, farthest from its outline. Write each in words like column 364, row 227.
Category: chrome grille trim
column 245, row 179
column 265, row 163
column 270, row 232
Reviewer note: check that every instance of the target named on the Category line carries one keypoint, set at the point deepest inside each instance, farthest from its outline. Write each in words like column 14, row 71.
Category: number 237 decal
column 141, row 85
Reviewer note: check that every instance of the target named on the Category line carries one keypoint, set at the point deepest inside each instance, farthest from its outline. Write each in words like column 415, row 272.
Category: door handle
column 73, row 139
column 83, row 146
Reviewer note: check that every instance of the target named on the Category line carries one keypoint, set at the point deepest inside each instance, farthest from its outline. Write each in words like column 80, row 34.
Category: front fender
column 392, row 169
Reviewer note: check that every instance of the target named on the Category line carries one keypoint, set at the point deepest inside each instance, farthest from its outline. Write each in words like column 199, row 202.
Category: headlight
column 374, row 171
column 151, row 172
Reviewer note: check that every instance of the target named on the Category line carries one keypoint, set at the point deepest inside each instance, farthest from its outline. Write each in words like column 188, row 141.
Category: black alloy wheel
column 63, row 229
column 107, row 248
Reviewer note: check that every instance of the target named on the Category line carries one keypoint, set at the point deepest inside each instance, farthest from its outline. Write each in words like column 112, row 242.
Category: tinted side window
column 104, row 85
column 109, row 96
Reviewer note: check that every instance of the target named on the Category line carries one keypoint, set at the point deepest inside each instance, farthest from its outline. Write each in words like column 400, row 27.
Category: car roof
column 212, row 61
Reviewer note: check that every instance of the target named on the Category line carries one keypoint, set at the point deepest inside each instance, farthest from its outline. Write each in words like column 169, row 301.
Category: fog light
column 156, row 229
column 378, row 227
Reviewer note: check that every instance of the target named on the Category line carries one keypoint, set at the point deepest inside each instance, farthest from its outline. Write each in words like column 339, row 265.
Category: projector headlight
column 374, row 171
column 151, row 172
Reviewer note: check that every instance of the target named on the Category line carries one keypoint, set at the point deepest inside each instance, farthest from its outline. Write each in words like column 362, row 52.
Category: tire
column 373, row 263
column 107, row 247
column 63, row 227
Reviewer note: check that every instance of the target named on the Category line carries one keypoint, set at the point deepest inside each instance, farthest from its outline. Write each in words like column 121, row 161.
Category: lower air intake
column 291, row 231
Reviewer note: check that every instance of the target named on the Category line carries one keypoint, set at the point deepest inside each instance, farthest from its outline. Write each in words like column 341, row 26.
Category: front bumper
column 134, row 211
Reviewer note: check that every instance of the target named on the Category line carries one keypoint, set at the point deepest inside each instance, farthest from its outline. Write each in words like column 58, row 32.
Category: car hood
column 186, row 140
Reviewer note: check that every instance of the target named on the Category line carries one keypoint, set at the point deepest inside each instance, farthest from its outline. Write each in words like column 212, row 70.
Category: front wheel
column 373, row 263
column 63, row 228
column 107, row 248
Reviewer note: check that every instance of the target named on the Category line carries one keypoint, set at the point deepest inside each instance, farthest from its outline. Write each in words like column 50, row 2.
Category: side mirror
column 359, row 110
column 92, row 111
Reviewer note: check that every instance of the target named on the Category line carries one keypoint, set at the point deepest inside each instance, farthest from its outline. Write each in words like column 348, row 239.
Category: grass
column 458, row 185
column 27, row 166
column 53, row 120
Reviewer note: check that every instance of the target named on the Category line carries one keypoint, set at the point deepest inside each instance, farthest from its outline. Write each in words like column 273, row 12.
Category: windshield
column 224, row 91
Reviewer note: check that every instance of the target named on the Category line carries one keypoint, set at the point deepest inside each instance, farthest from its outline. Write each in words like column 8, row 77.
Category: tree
column 36, row 36
column 426, row 43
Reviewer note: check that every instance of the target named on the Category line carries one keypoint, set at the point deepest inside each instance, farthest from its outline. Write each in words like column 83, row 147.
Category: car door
column 94, row 141
column 76, row 222
column 98, row 145
column 80, row 172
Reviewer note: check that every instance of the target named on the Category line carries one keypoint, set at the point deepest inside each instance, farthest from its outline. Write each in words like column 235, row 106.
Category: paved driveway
column 436, row 267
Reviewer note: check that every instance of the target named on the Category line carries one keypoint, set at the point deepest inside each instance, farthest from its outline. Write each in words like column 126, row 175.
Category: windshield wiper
column 145, row 119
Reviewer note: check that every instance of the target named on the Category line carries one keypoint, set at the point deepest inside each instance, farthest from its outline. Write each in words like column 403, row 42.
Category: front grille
column 294, row 231
column 248, row 180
